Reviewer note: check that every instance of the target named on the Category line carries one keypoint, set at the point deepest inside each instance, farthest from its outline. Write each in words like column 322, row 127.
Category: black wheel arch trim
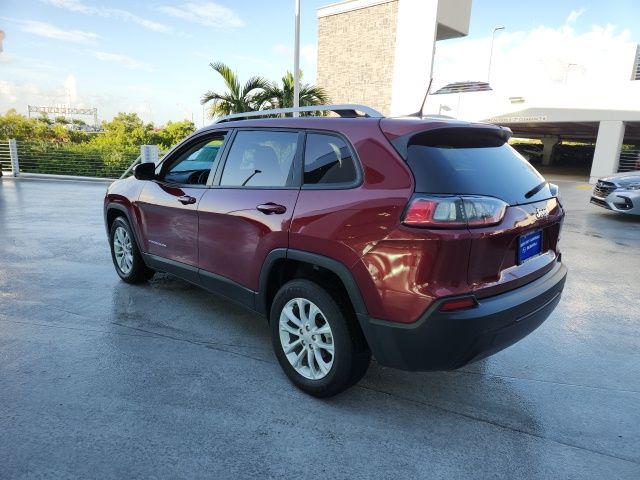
column 122, row 209
column 330, row 264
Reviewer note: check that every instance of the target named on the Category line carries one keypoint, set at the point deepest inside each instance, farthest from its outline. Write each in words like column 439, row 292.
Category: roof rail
column 348, row 110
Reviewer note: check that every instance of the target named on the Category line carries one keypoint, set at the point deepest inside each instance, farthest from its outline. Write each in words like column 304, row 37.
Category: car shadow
column 202, row 318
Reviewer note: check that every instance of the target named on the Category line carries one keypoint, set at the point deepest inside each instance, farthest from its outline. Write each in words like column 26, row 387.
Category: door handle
column 271, row 208
column 187, row 200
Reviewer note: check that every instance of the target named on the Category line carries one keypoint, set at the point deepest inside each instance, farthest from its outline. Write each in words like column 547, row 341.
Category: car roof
column 392, row 126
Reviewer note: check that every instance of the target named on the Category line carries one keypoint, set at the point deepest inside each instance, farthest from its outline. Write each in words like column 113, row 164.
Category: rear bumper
column 449, row 340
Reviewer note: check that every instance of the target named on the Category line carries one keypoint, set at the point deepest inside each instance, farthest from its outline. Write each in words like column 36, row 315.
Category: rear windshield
column 496, row 171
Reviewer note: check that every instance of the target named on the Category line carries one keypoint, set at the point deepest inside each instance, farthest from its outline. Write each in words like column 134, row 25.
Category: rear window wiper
column 535, row 190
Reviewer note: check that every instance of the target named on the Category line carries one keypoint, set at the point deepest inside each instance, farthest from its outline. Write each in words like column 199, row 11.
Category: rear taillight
column 440, row 212
column 454, row 212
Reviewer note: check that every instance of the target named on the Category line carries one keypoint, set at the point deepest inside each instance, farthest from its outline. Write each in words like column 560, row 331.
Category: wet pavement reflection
column 103, row 379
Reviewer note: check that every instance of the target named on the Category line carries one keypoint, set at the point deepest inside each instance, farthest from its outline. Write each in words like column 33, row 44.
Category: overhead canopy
column 567, row 123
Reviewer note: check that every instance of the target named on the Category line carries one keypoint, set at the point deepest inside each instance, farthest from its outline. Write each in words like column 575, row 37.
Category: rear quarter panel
column 347, row 224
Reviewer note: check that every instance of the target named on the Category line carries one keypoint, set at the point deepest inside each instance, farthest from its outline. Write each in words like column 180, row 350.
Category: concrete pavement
column 102, row 379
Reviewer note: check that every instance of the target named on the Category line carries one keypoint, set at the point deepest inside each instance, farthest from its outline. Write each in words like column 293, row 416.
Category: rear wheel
column 313, row 342
column 126, row 255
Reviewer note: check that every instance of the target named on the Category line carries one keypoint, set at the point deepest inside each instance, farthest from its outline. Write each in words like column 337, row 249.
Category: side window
column 192, row 166
column 327, row 159
column 260, row 159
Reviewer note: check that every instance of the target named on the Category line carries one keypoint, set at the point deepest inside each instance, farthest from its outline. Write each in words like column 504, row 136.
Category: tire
column 322, row 355
column 125, row 253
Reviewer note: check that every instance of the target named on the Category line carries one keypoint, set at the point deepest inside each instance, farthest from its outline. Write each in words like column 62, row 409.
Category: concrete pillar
column 148, row 154
column 548, row 146
column 608, row 147
column 13, row 154
column 415, row 47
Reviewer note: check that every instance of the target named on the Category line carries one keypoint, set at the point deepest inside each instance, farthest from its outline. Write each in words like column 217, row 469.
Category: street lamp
column 296, row 59
column 493, row 36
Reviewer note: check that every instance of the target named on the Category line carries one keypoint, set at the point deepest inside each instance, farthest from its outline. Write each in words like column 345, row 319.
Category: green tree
column 119, row 143
column 14, row 125
column 59, row 134
column 281, row 96
column 44, row 118
column 125, row 130
column 237, row 98
column 173, row 132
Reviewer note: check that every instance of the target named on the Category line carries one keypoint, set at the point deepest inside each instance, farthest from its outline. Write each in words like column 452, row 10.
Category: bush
column 45, row 146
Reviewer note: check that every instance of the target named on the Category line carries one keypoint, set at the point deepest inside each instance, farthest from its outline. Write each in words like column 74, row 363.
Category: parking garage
column 613, row 134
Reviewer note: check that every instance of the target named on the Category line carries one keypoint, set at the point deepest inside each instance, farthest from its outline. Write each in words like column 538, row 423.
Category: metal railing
column 129, row 171
column 72, row 160
column 5, row 158
column 629, row 161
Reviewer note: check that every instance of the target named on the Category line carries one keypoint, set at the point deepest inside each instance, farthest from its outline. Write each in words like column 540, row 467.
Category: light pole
column 296, row 59
column 493, row 37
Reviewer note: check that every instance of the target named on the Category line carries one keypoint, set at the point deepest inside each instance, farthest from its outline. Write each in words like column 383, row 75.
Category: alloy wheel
column 123, row 250
column 306, row 338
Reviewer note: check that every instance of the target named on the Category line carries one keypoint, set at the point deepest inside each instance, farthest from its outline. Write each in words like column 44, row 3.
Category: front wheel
column 314, row 345
column 126, row 255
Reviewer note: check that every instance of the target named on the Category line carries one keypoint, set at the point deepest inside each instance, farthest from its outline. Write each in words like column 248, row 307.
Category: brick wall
column 356, row 52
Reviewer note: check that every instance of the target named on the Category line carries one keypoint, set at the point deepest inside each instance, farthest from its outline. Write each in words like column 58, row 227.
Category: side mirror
column 145, row 171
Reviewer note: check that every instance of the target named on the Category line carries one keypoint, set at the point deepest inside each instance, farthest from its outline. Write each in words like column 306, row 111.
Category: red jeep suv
column 429, row 243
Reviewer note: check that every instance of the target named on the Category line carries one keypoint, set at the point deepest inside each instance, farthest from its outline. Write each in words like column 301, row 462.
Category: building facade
column 380, row 52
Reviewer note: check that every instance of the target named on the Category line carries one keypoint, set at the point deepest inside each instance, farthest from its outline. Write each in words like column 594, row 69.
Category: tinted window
column 260, row 159
column 192, row 166
column 497, row 171
column 327, row 159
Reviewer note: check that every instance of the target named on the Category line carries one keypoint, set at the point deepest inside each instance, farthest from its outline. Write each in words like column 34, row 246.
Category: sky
column 563, row 53
column 153, row 57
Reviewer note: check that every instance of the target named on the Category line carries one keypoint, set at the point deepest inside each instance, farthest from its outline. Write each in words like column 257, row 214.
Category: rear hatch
column 469, row 176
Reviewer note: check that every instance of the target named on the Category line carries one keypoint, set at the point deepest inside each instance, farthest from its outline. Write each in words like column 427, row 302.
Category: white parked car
column 619, row 192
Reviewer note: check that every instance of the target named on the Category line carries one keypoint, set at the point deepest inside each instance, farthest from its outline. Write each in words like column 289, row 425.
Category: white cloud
column 547, row 66
column 71, row 88
column 144, row 110
column 574, row 15
column 124, row 60
column 48, row 30
column 205, row 13
column 7, row 92
column 14, row 94
column 124, row 15
column 6, row 58
column 537, row 58
column 72, row 5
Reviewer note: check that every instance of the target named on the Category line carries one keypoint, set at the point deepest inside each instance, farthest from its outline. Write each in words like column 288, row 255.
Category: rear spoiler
column 454, row 137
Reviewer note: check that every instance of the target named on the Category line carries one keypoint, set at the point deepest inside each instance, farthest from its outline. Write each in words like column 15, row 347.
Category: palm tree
column 276, row 96
column 236, row 99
